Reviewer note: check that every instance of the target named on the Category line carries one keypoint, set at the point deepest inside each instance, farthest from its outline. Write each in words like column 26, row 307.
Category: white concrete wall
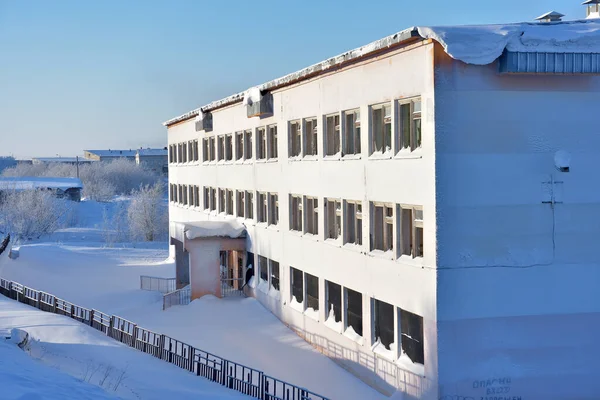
column 518, row 299
column 409, row 284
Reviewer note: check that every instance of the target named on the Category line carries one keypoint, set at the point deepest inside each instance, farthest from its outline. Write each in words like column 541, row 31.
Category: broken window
column 273, row 209
column 211, row 148
column 409, row 132
column 249, row 205
column 248, row 145
column 240, row 203
column 354, row 311
column 272, row 142
column 221, row 148
column 310, row 137
column 261, row 143
column 297, row 285
column 239, row 146
column 383, row 321
column 382, row 227
column 332, row 134
column 351, row 128
column 381, row 128
column 262, row 207
column 334, row 301
column 312, row 215
column 263, row 267
column 295, row 139
column 221, row 200
column 312, row 292
column 334, row 218
column 353, row 222
column 213, row 199
column 274, row 266
column 296, row 213
column 411, row 234
column 411, row 333
column 229, row 200
column 228, row 147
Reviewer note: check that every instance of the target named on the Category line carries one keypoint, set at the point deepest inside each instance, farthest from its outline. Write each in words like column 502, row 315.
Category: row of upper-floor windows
column 394, row 228
column 394, row 127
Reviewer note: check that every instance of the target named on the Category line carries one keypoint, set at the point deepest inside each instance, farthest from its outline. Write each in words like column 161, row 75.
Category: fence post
column 162, row 346
column 72, row 311
column 110, row 326
column 53, row 304
column 91, row 317
column 135, row 332
column 37, row 300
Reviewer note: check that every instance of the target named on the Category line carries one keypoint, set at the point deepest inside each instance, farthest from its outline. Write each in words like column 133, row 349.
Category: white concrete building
column 422, row 209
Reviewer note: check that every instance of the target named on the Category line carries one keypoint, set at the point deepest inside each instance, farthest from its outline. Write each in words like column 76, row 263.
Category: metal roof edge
column 304, row 73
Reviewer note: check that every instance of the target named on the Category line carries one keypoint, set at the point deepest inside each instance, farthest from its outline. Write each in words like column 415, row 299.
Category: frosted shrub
column 148, row 214
column 32, row 213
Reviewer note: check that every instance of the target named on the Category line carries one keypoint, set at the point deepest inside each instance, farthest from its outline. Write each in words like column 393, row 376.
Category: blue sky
column 76, row 75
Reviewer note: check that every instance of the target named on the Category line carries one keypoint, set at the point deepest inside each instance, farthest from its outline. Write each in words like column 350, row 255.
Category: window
column 295, row 139
column 185, row 195
column 354, row 311
column 196, row 196
column 221, row 148
column 180, row 193
column 184, row 152
column 249, row 205
column 382, row 227
column 312, row 292
column 383, row 321
column 310, row 137
column 261, row 144
column 297, row 285
column 170, row 192
column 353, row 222
column 229, row 200
column 332, row 134
column 196, row 151
column 179, row 155
column 272, row 142
column 213, row 199
column 411, row 234
column 205, row 152
column 334, row 301
column 211, row 148
column 273, row 209
column 206, row 196
column 351, row 132
column 221, row 200
column 239, row 146
column 296, row 213
column 240, row 203
column 381, row 128
column 333, row 226
column 229, row 147
column 191, row 200
column 409, row 134
column 274, row 265
column 170, row 154
column 191, row 151
column 262, row 207
column 312, row 215
column 411, row 334
column 263, row 266
column 248, row 145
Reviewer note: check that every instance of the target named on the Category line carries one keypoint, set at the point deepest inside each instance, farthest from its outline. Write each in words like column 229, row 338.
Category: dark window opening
column 275, row 274
column 354, row 313
column 334, row 300
column 312, row 292
column 411, row 326
column 384, row 323
column 297, row 285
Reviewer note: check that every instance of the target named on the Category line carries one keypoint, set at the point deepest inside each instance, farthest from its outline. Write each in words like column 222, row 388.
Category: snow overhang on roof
column 183, row 231
column 29, row 183
column 474, row 44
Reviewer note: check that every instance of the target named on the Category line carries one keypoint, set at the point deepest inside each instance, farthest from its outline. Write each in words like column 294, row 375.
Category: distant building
column 69, row 188
column 7, row 162
column 60, row 160
column 153, row 159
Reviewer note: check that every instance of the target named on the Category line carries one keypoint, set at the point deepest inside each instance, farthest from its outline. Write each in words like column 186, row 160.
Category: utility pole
column 77, row 164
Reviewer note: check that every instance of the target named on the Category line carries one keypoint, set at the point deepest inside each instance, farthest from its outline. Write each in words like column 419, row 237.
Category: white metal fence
column 156, row 284
column 179, row 297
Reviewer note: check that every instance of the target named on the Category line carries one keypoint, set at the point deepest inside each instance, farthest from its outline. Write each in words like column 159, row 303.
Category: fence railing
column 156, row 284
column 232, row 287
column 232, row 375
column 180, row 297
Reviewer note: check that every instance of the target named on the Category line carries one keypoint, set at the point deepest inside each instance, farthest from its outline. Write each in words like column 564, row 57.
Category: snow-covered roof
column 208, row 229
column 113, row 153
column 28, row 183
column 62, row 159
column 551, row 15
column 153, row 152
column 472, row 44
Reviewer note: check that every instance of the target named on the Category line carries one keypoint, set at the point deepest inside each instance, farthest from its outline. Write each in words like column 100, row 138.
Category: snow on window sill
column 272, row 160
column 378, row 155
column 295, row 158
column 239, row 161
column 333, row 157
column 312, row 313
column 335, row 326
column 407, row 364
column 333, row 242
column 388, row 255
column 252, row 282
column 261, row 160
column 249, row 161
column 294, row 304
column 273, row 227
column 348, row 157
column 409, row 260
column 295, row 232
column 379, row 349
column 261, row 224
column 263, row 286
column 311, row 157
column 351, row 334
column 409, row 154
column 311, row 236
column 353, row 247
column 274, row 293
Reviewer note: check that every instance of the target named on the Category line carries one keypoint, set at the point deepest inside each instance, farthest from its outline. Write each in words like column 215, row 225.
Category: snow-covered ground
column 76, row 265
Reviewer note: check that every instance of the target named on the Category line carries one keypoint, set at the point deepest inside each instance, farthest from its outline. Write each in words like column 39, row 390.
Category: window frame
column 249, row 203
column 240, row 203
column 337, row 215
column 357, row 222
column 373, row 135
column 221, row 205
column 261, row 143
column 308, row 303
column 354, row 135
column 295, row 139
column 315, row 217
column 293, row 289
column 410, row 242
column 313, row 135
column 212, row 143
column 296, row 212
column 248, row 148
column 272, row 276
column 272, row 209
column 387, row 241
column 346, row 303
column 272, row 142
column 206, row 198
column 262, row 209
column 228, row 147
column 229, row 201
column 332, row 150
column 414, row 140
column 239, row 146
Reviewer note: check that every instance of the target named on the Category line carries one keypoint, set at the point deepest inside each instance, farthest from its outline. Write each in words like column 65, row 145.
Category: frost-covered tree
column 148, row 214
column 30, row 214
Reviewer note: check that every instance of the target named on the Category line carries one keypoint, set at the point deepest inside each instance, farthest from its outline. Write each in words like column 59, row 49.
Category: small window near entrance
column 354, row 314
column 383, row 322
column 297, row 285
column 274, row 274
column 411, row 326
column 312, row 292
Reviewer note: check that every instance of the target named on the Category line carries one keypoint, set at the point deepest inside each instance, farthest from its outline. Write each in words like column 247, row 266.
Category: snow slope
column 86, row 354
